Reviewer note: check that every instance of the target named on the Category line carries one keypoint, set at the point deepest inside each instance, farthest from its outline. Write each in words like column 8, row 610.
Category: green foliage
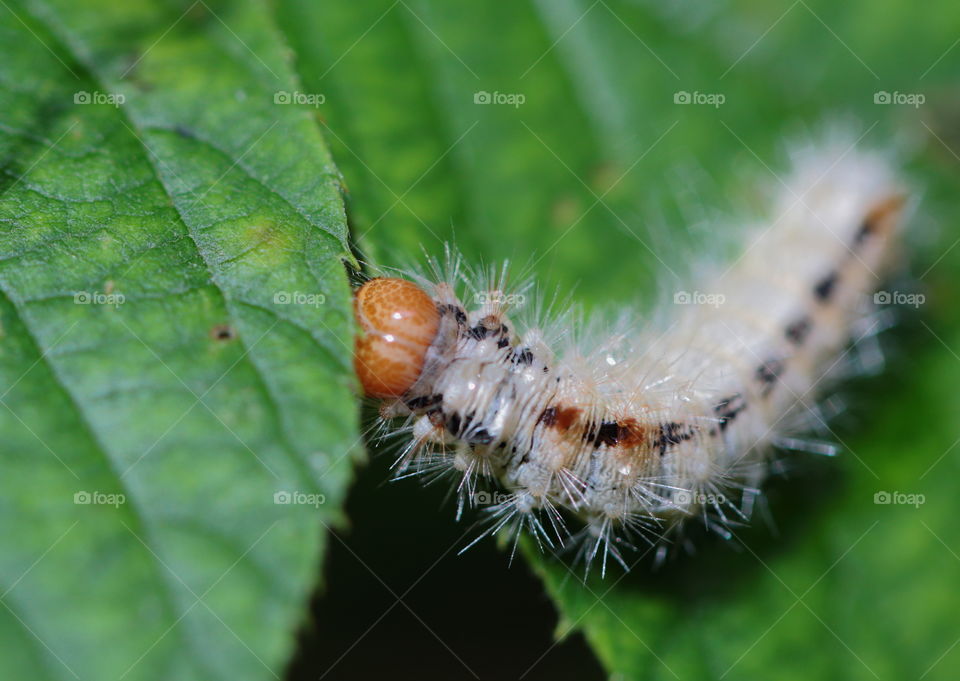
column 202, row 197
column 146, row 354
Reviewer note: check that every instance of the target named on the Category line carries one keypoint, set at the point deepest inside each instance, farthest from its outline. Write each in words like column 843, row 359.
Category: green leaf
column 850, row 588
column 175, row 343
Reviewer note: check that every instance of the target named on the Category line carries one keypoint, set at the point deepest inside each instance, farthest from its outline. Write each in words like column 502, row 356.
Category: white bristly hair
column 660, row 422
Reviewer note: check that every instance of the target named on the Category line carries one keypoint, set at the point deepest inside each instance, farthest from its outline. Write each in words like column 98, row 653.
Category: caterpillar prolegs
column 660, row 422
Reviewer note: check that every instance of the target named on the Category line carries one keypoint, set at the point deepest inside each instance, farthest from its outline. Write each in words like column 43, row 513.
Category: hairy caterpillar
column 658, row 423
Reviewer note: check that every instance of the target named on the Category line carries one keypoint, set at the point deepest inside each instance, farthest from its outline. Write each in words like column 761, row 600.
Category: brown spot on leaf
column 223, row 332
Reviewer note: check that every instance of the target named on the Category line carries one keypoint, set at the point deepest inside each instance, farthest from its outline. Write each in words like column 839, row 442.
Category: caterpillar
column 659, row 423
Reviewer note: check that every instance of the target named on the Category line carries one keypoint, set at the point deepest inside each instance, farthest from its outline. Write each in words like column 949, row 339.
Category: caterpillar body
column 656, row 424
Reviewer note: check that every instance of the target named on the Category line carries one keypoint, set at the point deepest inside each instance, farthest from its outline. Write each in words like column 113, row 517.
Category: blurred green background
column 552, row 133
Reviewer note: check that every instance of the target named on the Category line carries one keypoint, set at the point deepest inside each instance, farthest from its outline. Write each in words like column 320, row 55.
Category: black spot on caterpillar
column 824, row 288
column 797, row 332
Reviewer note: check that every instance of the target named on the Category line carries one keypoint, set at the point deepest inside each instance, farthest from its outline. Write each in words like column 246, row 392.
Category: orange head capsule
column 398, row 322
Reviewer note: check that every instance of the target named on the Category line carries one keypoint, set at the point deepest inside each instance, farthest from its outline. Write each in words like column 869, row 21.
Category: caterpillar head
column 425, row 356
column 398, row 323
